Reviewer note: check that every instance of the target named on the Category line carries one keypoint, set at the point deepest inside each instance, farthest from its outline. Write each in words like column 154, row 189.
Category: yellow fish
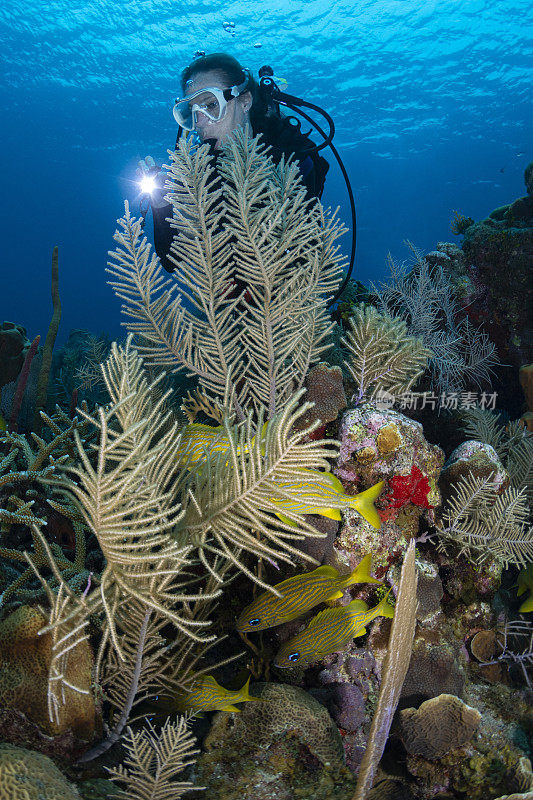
column 3, row 426
column 199, row 440
column 329, row 631
column 207, row 695
column 327, row 486
column 525, row 583
column 300, row 593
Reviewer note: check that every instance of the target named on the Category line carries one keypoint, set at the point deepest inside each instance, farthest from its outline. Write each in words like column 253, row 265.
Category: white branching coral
column 425, row 299
column 485, row 524
column 154, row 761
column 258, row 227
column 383, row 356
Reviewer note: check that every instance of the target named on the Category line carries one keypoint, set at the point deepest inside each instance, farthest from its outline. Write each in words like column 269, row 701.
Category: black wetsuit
column 284, row 140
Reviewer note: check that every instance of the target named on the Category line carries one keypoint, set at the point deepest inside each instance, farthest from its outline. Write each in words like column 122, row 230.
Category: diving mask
column 211, row 101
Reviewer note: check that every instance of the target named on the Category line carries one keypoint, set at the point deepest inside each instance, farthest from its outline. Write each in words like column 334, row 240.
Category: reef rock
column 499, row 253
column 13, row 348
column 25, row 659
column 439, row 725
column 25, row 775
column 285, row 746
column 382, row 444
column 472, row 458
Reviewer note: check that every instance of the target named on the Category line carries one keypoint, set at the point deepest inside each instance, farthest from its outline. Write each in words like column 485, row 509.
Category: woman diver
column 220, row 96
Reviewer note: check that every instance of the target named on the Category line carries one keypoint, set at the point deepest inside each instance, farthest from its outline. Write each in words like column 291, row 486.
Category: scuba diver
column 219, row 96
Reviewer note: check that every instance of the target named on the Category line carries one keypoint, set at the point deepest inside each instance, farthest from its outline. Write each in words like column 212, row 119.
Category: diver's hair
column 228, row 66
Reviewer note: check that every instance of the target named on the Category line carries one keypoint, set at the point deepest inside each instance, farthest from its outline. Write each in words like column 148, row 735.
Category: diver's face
column 237, row 109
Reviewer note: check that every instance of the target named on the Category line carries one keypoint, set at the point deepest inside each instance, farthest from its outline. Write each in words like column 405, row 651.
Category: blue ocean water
column 432, row 104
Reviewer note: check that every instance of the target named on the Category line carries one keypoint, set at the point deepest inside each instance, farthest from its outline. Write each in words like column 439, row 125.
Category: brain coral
column 286, row 746
column 435, row 668
column 25, row 775
column 439, row 725
column 24, row 664
column 287, row 708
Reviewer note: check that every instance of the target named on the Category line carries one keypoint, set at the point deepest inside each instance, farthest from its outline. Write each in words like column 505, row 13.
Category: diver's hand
column 151, row 181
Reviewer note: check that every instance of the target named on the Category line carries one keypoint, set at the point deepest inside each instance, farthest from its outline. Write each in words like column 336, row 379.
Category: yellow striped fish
column 301, row 593
column 324, row 486
column 329, row 631
column 199, row 440
column 525, row 583
column 207, row 695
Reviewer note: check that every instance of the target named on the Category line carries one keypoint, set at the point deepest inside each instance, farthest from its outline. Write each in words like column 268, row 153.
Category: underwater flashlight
column 147, row 184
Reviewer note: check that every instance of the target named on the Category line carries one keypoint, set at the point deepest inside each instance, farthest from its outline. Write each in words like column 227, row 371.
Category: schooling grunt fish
column 207, row 695
column 326, row 486
column 301, row 593
column 329, row 631
column 197, row 440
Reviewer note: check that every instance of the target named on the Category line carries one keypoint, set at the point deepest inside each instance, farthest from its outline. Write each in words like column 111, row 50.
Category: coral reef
column 143, row 537
column 382, row 444
column 499, row 252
